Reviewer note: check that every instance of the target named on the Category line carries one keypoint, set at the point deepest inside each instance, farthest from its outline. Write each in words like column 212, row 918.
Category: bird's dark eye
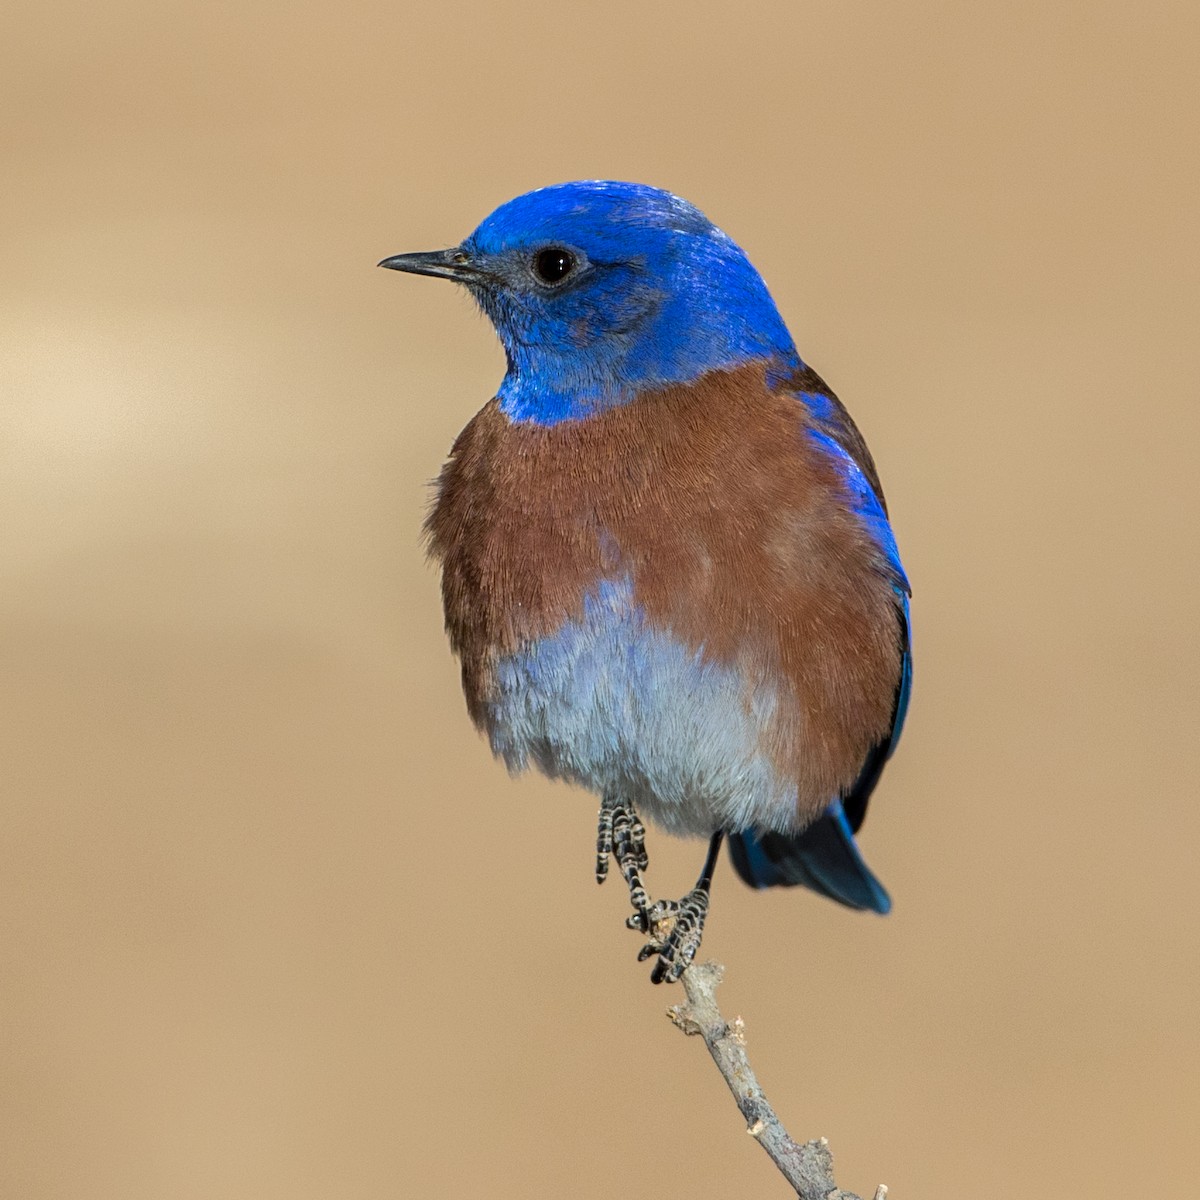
column 553, row 264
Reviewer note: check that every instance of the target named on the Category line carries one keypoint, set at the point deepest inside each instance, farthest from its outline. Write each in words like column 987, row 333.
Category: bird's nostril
column 460, row 257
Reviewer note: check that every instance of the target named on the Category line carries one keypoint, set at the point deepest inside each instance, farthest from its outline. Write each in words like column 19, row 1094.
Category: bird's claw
column 639, row 920
column 675, row 928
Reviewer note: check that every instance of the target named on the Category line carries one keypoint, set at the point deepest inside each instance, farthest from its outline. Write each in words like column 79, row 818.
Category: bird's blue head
column 600, row 290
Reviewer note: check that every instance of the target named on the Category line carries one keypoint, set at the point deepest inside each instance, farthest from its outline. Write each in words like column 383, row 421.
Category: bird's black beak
column 454, row 263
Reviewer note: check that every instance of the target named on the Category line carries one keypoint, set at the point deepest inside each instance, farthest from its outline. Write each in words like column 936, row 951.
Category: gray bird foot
column 675, row 928
column 622, row 836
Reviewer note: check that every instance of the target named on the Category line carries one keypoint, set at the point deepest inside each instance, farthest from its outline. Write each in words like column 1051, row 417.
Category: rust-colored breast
column 733, row 527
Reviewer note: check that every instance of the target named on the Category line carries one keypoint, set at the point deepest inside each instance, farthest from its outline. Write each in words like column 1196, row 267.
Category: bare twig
column 808, row 1167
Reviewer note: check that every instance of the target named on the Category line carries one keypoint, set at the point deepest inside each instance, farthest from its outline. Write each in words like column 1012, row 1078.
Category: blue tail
column 823, row 857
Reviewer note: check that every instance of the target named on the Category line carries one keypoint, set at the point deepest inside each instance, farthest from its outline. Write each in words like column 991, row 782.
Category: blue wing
column 855, row 801
column 824, row 857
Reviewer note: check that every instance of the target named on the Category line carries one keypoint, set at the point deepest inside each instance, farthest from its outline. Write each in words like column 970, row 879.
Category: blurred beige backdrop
column 267, row 928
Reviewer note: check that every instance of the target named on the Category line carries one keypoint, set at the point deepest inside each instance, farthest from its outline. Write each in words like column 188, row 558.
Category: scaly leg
column 622, row 836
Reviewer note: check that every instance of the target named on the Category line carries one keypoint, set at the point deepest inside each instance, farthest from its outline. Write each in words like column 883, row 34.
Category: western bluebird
column 667, row 566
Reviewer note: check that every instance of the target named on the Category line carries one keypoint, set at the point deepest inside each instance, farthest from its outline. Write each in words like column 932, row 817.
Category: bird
column 668, row 569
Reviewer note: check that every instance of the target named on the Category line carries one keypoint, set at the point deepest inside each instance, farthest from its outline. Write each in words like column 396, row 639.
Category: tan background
column 274, row 924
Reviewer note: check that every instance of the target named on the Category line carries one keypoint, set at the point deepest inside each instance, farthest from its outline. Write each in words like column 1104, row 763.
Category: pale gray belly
column 625, row 710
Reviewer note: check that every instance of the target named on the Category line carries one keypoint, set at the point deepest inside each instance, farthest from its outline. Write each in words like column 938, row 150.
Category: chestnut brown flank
column 730, row 523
